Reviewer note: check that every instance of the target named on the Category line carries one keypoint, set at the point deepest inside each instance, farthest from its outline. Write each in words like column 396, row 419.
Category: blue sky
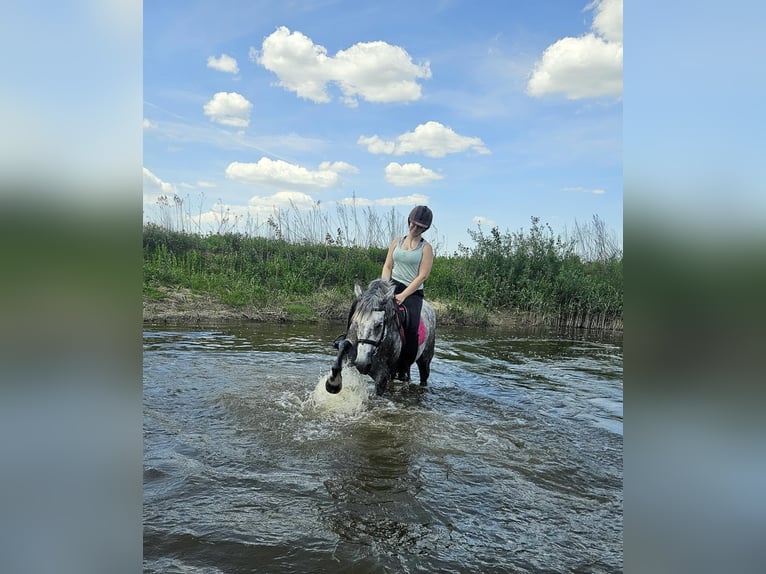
column 489, row 112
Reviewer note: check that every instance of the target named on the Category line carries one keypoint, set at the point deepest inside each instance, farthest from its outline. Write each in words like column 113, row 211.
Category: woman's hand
column 399, row 298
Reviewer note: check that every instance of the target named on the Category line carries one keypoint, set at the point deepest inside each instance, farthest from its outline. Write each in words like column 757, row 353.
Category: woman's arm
column 426, row 262
column 388, row 266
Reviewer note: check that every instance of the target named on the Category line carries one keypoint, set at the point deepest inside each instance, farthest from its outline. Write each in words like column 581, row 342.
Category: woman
column 408, row 264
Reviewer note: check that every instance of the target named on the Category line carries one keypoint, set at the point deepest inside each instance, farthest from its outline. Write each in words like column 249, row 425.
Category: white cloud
column 373, row 71
column 214, row 218
column 414, row 199
column 149, row 124
column 377, row 145
column 281, row 200
column 409, row 174
column 257, row 206
column 338, row 167
column 154, row 187
column 481, row 220
column 589, row 66
column 278, row 172
column 431, row 139
column 357, row 201
column 198, row 185
column 596, row 191
column 224, row 63
column 229, row 109
column 607, row 21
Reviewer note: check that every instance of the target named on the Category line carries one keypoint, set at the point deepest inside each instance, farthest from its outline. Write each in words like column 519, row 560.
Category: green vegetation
column 532, row 274
column 535, row 273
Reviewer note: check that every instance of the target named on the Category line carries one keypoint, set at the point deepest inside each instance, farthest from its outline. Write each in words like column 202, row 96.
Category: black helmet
column 421, row 215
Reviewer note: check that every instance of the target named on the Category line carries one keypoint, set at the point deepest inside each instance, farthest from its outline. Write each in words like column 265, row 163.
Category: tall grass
column 532, row 272
column 344, row 225
column 243, row 270
column 535, row 272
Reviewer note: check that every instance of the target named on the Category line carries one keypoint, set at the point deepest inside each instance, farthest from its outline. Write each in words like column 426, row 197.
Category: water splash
column 350, row 401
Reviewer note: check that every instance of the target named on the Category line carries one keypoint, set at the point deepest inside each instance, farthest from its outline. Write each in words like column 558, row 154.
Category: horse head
column 372, row 330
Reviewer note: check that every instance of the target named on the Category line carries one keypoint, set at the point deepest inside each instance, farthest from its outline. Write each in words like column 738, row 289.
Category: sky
column 490, row 113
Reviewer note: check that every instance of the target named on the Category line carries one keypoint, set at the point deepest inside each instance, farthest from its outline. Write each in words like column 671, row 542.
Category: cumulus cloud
column 149, row 124
column 588, row 66
column 410, row 174
column 154, row 187
column 229, row 109
column 596, row 191
column 431, row 139
column 607, row 21
column 481, row 220
column 278, row 172
column 377, row 145
column 373, row 71
column 281, row 200
column 224, row 63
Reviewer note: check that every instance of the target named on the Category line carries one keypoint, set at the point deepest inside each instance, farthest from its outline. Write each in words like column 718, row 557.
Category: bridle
column 377, row 343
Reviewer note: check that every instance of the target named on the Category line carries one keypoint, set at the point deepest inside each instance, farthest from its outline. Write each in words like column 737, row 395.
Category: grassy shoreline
column 522, row 278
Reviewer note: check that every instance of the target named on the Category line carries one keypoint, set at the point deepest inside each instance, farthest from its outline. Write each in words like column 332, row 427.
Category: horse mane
column 377, row 297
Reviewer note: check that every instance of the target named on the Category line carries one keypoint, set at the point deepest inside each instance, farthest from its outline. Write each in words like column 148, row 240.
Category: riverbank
column 183, row 307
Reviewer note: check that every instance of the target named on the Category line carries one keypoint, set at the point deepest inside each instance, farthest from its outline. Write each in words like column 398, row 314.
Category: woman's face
column 416, row 229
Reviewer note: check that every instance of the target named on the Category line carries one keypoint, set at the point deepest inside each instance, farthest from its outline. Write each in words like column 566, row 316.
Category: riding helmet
column 421, row 215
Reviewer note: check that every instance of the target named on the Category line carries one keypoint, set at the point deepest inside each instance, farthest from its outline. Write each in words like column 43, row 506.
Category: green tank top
column 407, row 263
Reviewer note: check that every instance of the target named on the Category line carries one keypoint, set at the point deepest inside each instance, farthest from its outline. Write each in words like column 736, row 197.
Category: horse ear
column 357, row 290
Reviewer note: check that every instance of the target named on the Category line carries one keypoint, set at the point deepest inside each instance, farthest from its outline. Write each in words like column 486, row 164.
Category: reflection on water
column 509, row 461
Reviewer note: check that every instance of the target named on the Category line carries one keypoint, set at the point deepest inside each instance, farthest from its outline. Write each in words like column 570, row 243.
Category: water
column 509, row 461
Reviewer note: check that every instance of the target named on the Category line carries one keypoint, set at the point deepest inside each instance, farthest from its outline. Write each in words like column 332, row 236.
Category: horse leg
column 424, row 368
column 335, row 382
column 402, row 373
column 380, row 385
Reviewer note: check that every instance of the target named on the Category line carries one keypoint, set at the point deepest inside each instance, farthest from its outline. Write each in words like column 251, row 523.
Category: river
column 509, row 461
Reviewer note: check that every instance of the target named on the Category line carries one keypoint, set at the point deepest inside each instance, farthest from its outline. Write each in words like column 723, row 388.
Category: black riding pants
column 413, row 303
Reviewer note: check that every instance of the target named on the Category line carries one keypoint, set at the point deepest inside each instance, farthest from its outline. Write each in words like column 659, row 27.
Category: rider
column 408, row 264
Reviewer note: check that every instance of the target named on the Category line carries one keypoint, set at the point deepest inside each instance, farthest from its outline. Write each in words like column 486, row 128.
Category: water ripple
column 509, row 461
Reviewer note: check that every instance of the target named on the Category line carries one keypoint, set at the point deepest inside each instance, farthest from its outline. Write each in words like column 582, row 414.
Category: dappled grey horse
column 374, row 339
